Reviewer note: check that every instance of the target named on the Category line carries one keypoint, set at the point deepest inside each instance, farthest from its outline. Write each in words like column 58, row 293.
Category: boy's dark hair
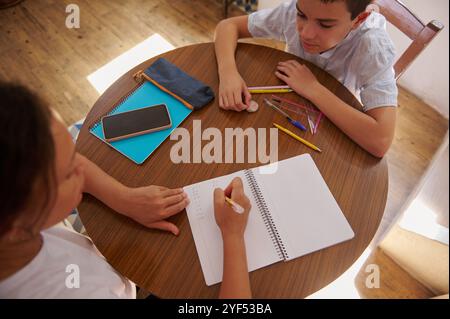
column 27, row 153
column 355, row 7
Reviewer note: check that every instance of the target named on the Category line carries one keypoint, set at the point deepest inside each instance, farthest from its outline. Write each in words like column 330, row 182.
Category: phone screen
column 136, row 122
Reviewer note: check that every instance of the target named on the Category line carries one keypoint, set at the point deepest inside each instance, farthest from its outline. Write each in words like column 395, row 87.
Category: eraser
column 253, row 107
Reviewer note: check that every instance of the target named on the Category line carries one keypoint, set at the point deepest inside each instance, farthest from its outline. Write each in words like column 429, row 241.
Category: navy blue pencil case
column 191, row 92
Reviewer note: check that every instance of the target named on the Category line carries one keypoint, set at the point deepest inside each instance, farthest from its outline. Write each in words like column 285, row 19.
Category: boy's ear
column 360, row 19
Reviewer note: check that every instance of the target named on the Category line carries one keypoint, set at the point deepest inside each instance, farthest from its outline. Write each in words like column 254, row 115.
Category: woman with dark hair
column 42, row 181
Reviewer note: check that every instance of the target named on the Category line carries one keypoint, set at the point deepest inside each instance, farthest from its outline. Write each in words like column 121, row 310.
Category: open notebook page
column 208, row 240
column 307, row 216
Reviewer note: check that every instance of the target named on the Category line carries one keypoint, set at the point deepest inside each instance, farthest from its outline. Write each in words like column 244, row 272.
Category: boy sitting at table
column 43, row 179
column 339, row 36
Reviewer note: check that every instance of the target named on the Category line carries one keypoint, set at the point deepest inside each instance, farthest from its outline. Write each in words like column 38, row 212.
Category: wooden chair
column 408, row 23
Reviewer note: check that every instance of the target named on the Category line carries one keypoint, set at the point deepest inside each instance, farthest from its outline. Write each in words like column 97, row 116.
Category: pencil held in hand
column 236, row 207
column 232, row 217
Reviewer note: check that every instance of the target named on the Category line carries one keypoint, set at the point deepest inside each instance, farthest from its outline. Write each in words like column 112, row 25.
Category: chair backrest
column 407, row 22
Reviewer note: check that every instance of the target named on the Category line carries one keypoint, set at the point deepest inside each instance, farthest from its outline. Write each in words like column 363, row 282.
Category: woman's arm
column 149, row 205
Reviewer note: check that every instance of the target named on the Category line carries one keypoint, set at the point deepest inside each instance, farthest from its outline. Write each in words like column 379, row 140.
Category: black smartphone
column 136, row 122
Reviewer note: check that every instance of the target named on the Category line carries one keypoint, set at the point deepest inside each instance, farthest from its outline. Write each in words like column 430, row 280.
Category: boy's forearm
column 362, row 128
column 225, row 42
column 235, row 280
column 101, row 185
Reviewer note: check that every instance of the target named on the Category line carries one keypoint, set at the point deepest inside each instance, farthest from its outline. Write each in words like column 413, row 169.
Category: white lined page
column 306, row 214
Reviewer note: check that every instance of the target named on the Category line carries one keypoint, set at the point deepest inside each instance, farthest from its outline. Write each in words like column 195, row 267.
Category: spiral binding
column 117, row 105
column 266, row 215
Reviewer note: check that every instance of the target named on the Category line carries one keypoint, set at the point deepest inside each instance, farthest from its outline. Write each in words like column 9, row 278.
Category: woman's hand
column 151, row 205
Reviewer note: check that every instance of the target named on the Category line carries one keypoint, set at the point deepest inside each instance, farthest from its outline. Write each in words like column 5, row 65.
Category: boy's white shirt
column 363, row 61
column 45, row 276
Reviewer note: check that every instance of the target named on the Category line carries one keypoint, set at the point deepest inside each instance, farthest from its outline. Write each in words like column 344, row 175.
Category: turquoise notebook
column 139, row 148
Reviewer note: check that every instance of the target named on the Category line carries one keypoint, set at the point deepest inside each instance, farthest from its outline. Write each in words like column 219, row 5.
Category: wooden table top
column 169, row 266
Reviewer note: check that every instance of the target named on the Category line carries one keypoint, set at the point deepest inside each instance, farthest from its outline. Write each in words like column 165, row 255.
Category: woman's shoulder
column 66, row 267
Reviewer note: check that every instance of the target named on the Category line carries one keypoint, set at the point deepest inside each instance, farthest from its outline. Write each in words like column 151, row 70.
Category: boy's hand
column 298, row 77
column 233, row 92
column 230, row 222
column 150, row 205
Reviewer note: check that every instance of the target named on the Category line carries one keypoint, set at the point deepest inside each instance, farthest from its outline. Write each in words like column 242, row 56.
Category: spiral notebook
column 139, row 148
column 293, row 214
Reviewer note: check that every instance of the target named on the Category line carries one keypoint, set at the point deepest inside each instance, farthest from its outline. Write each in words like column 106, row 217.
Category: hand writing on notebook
column 236, row 282
column 233, row 92
column 230, row 222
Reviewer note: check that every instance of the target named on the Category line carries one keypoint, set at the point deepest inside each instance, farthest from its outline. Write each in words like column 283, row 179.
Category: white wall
column 428, row 76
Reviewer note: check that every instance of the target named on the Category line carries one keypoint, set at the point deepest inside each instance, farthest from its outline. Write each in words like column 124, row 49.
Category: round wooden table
column 168, row 266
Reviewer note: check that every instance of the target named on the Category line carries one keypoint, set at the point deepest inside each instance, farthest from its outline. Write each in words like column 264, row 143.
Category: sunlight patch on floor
column 109, row 73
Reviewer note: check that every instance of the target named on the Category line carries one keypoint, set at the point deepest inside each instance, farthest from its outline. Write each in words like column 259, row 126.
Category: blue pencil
column 293, row 122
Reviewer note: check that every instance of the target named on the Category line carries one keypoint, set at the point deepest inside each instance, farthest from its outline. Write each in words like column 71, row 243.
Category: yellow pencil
column 258, row 91
column 236, row 207
column 298, row 138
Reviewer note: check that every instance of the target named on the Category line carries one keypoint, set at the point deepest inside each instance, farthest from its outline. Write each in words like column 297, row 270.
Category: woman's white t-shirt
column 67, row 266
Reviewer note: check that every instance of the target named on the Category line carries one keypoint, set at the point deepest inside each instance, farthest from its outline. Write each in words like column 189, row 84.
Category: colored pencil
column 270, row 91
column 269, row 87
column 298, row 138
column 236, row 207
